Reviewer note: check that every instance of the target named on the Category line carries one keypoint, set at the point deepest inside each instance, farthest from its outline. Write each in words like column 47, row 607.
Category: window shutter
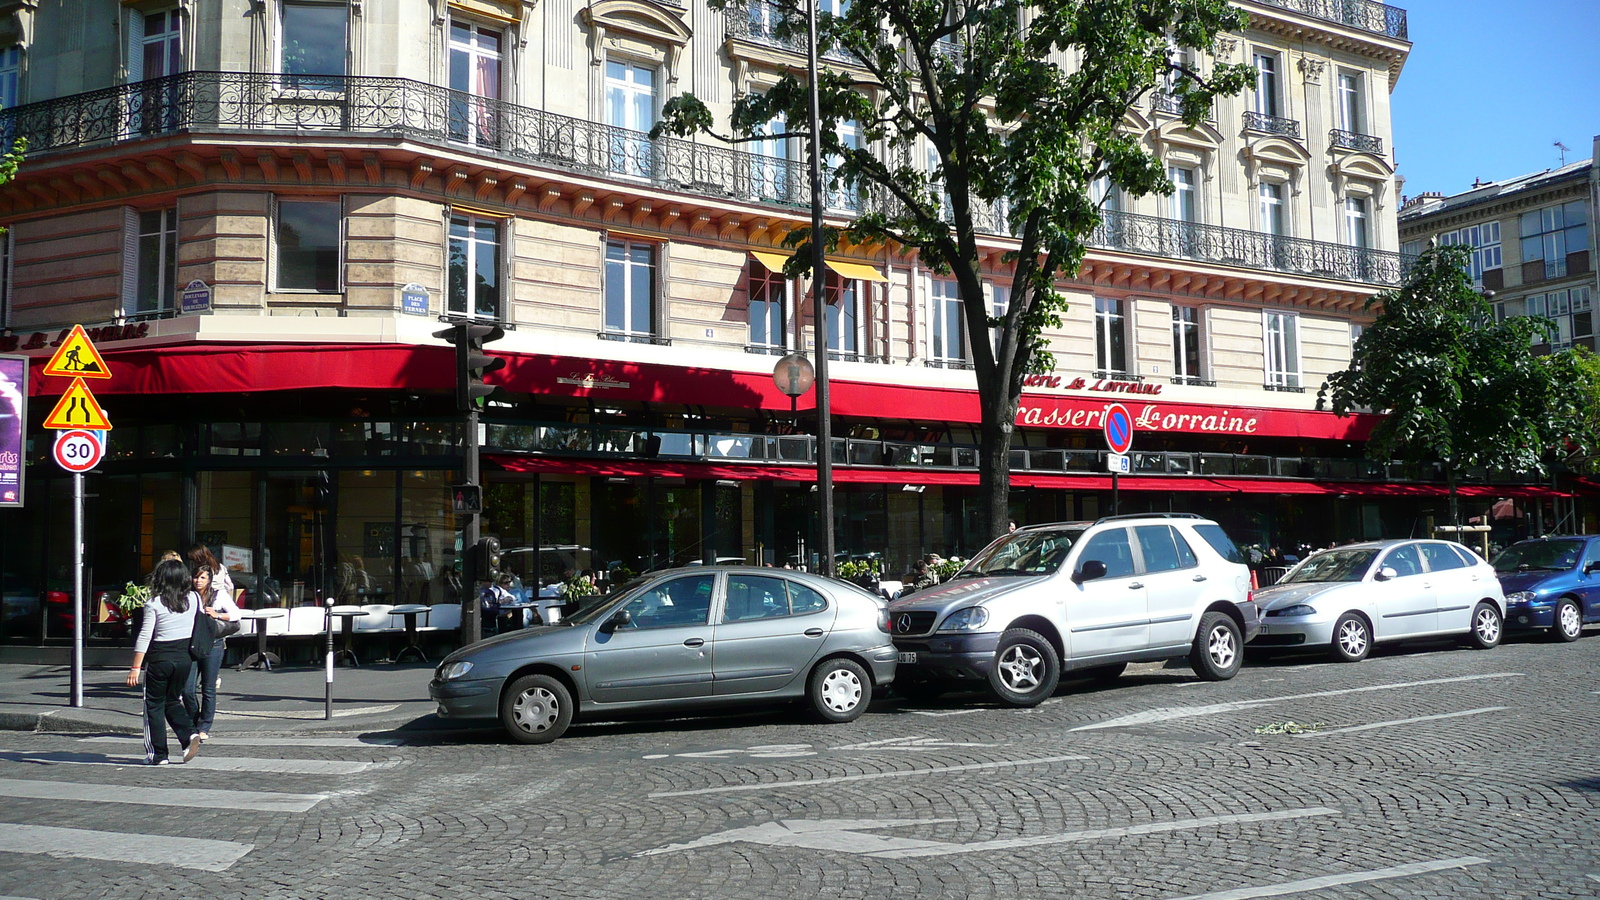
column 130, row 260
column 135, row 46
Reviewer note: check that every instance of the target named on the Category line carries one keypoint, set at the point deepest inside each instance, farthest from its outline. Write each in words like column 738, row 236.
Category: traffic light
column 466, row 498
column 472, row 363
column 483, row 559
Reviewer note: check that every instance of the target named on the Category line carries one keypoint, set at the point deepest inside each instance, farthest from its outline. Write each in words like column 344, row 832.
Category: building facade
column 262, row 208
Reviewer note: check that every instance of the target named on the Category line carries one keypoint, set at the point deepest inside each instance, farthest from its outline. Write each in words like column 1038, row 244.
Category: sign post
column 1118, row 427
column 79, row 447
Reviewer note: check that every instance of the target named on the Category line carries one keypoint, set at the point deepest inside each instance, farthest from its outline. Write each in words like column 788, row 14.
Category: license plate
column 909, row 657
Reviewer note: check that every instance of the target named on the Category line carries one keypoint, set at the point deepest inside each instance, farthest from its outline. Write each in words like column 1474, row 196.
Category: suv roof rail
column 1152, row 515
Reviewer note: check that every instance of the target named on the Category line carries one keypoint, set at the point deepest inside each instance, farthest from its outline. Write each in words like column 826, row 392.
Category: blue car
column 1551, row 584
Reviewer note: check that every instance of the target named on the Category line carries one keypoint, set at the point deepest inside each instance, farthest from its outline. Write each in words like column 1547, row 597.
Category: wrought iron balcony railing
column 759, row 21
column 1366, row 15
column 303, row 109
column 1355, row 140
column 1266, row 124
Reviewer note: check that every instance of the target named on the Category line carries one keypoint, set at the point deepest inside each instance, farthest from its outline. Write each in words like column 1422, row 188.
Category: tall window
column 1355, row 223
column 10, row 76
column 1186, row 343
column 155, row 263
column 475, row 83
column 1266, row 95
column 1352, row 106
column 1110, row 335
column 769, row 294
column 843, row 313
column 311, row 42
column 307, row 244
column 631, row 105
column 1108, row 195
column 1570, row 310
column 630, row 287
column 840, row 196
column 948, row 341
column 160, row 45
column 1272, row 217
column 1283, row 350
column 1184, row 202
column 1552, row 233
column 999, row 302
column 770, row 162
column 1484, row 241
column 474, row 266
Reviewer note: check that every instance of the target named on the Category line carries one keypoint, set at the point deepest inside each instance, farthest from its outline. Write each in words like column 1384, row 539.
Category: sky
column 1490, row 86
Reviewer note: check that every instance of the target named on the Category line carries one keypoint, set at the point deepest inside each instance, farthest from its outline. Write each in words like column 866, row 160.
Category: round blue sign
column 1118, row 428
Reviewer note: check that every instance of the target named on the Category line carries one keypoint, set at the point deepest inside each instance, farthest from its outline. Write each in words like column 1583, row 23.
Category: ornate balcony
column 1355, row 140
column 1266, row 124
column 1365, row 15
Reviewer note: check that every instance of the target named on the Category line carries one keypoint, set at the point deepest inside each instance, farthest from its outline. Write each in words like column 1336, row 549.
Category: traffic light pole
column 471, row 627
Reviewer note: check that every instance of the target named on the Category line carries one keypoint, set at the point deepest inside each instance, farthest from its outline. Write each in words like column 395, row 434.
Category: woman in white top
column 163, row 650
column 201, row 694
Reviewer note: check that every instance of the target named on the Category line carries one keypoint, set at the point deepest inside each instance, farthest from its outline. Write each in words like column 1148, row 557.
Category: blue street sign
column 1118, row 428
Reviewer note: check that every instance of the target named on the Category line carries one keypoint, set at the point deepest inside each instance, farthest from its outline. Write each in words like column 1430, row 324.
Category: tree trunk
column 994, row 466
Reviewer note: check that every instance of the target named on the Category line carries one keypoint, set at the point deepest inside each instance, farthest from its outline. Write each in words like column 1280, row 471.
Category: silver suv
column 1087, row 597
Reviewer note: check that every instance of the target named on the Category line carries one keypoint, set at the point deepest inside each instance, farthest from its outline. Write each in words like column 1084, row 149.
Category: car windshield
column 1332, row 565
column 1024, row 553
column 1550, row 556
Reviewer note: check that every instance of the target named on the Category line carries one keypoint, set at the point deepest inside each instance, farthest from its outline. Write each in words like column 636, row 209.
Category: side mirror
column 1089, row 571
column 619, row 619
column 1387, row 573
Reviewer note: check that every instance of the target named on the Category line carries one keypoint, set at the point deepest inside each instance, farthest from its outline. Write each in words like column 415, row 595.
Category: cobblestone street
column 1428, row 771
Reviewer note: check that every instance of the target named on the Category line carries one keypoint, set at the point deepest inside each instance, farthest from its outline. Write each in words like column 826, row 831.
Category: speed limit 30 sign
column 79, row 451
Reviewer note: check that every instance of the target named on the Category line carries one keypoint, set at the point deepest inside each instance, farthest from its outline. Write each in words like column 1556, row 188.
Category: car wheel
column 1569, row 621
column 1026, row 668
column 1218, row 648
column 537, row 709
column 1352, row 638
column 839, row 691
column 1487, row 626
column 920, row 690
column 1104, row 673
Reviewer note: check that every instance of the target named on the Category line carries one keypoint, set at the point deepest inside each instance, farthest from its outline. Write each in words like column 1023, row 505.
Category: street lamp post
column 820, row 308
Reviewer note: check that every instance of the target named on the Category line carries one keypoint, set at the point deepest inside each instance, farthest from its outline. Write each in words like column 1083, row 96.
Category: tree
column 1019, row 110
column 1459, row 387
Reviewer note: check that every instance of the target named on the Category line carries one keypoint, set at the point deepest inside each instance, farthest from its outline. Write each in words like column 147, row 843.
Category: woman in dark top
column 163, row 649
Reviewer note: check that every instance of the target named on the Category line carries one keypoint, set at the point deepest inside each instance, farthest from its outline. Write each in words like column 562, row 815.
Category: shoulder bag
column 204, row 635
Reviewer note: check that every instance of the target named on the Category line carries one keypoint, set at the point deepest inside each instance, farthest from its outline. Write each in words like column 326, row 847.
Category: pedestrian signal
column 77, row 358
column 77, row 408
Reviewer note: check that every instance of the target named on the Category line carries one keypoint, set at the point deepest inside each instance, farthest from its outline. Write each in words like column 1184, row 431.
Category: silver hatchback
column 682, row 638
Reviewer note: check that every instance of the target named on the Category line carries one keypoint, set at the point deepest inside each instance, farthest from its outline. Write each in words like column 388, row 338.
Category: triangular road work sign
column 77, row 358
column 78, row 409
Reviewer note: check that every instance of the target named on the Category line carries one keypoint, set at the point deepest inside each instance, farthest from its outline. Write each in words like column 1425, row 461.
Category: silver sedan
column 1351, row 597
column 683, row 638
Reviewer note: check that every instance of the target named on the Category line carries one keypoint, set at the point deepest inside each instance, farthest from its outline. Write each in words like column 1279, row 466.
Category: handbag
column 226, row 629
column 203, row 637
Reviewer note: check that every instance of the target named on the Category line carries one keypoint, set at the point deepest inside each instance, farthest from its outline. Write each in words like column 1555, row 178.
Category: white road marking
column 305, row 713
column 1469, row 712
column 208, row 763
column 285, row 741
column 841, row 779
column 1170, row 713
column 147, row 849
column 1326, row 881
column 254, row 801
column 937, row 714
column 912, row 743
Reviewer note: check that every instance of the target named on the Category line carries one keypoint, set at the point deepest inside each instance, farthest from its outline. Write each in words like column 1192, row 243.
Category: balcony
column 1265, row 124
column 762, row 22
column 235, row 103
column 1355, row 140
column 1364, row 15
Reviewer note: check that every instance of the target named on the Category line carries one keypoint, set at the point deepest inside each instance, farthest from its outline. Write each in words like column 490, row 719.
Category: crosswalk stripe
column 207, row 763
column 359, row 743
column 151, row 849
column 195, row 798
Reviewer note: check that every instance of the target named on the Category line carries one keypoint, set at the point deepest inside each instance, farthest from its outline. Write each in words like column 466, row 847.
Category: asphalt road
column 1429, row 772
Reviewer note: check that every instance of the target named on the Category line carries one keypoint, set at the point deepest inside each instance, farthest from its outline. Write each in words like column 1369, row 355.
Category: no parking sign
column 1118, row 428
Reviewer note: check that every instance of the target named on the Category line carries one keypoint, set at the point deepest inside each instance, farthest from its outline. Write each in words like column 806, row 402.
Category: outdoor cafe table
column 518, row 607
column 261, row 659
column 411, row 611
column 349, row 614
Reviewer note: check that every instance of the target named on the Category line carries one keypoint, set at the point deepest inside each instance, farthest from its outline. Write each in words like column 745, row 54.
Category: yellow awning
column 856, row 270
column 773, row 261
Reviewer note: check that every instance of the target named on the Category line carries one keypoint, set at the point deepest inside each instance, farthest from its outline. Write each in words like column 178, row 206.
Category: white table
column 261, row 659
column 411, row 611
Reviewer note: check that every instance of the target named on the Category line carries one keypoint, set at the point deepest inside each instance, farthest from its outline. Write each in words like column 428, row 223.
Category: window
column 1352, row 106
column 843, row 313
column 1265, row 100
column 1552, row 233
column 311, row 42
column 1110, row 335
column 475, row 266
column 10, row 76
column 1106, row 194
column 681, row 602
column 999, row 302
column 1571, row 312
column 307, row 244
column 1355, row 223
column 1186, row 343
column 1184, row 206
column 1111, row 548
column 761, row 597
column 769, row 295
column 631, row 105
column 1271, row 200
column 770, row 169
column 474, row 83
column 630, row 287
column 841, row 196
column 1441, row 557
column 1282, row 350
column 1163, row 548
column 155, row 281
column 1484, row 240
column 948, row 338
column 1404, row 560
column 1220, row 542
column 157, row 49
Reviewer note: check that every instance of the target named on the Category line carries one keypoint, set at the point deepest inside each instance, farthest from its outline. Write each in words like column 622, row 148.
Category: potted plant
column 863, row 572
column 129, row 604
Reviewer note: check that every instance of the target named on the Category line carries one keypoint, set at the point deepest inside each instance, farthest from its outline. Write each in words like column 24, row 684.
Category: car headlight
column 1520, row 597
column 454, row 670
column 1299, row 609
column 970, row 619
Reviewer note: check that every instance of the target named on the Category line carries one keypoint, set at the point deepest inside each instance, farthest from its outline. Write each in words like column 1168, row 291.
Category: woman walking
column 163, row 650
column 201, row 693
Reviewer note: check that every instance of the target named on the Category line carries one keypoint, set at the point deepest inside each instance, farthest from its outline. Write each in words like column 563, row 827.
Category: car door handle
column 813, row 632
column 694, row 642
column 1135, row 586
column 1199, row 578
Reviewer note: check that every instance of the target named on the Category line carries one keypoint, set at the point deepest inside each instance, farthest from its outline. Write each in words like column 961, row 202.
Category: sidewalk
column 374, row 697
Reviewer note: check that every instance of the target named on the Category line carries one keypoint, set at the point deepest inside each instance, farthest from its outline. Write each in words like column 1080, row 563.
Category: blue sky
column 1490, row 85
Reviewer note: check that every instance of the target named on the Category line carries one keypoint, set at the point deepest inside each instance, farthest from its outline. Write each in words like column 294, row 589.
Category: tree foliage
column 977, row 111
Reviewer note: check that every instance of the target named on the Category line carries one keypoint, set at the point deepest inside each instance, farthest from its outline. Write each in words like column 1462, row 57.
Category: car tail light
column 883, row 620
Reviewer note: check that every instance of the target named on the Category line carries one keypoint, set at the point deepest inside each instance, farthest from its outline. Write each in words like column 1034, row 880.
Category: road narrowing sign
column 1118, row 428
column 77, row 409
column 77, row 358
column 78, row 451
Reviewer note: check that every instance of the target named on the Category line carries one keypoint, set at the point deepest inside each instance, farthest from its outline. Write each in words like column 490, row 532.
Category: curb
column 68, row 721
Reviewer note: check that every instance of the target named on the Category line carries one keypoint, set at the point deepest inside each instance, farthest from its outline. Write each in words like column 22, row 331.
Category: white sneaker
column 193, row 750
column 203, row 737
column 161, row 762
